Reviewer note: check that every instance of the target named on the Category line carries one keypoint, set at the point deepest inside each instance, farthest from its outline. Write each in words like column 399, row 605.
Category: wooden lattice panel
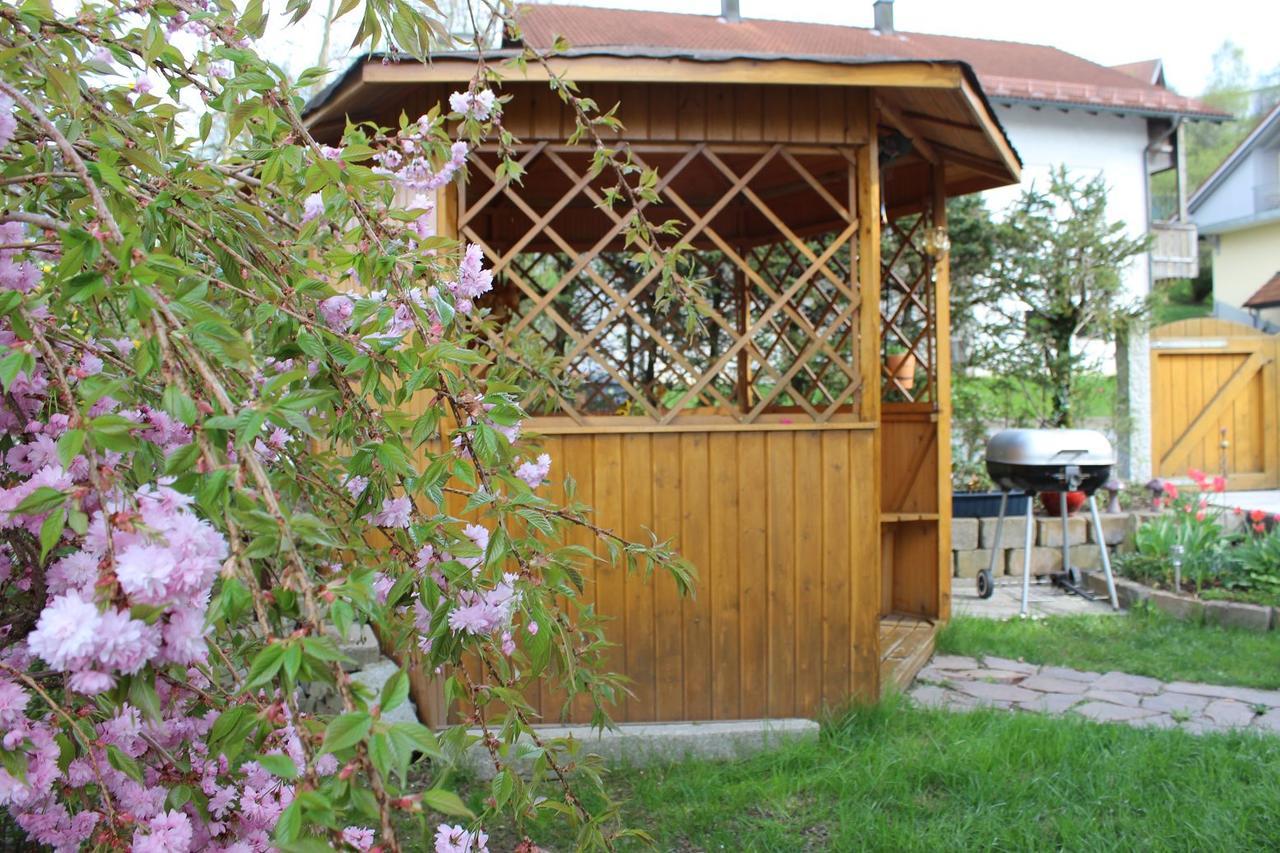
column 907, row 307
column 774, row 233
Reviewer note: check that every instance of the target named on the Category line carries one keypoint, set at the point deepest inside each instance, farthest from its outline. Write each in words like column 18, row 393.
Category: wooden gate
column 1214, row 402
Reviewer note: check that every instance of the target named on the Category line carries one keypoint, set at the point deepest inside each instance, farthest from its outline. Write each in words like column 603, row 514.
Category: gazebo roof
column 1267, row 296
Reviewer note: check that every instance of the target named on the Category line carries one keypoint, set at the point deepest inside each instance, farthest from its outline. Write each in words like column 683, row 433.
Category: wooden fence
column 1214, row 402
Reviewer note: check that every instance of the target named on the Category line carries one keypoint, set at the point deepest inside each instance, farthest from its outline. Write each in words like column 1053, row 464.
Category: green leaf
column 346, row 731
column 265, row 666
column 179, row 405
column 289, row 824
column 124, row 763
column 446, row 802
column 70, row 445
column 143, row 696
column 279, row 765
column 51, row 531
column 395, row 691
column 40, row 501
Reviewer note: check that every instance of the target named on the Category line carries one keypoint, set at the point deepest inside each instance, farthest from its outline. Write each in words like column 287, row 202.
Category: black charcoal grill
column 1049, row 460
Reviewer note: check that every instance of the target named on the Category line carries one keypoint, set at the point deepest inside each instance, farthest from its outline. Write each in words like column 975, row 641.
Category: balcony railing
column 1174, row 253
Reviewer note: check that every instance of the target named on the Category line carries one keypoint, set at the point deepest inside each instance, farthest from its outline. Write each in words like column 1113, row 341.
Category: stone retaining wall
column 973, row 540
column 1230, row 614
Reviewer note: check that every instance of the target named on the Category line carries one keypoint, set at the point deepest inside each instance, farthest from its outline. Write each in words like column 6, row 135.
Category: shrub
column 248, row 408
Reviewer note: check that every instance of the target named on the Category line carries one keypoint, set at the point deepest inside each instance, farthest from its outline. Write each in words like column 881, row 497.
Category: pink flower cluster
column 244, row 802
column 473, row 279
column 455, row 839
column 166, row 557
column 478, row 105
column 22, row 276
column 8, row 121
column 535, row 473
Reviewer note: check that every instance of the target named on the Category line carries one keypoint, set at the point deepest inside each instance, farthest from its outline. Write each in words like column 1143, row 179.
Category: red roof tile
column 1009, row 70
column 1268, row 296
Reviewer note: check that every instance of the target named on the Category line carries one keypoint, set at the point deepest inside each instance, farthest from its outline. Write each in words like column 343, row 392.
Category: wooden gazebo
column 807, row 482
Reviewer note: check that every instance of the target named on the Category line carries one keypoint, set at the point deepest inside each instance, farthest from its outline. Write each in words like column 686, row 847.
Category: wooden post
column 942, row 389
column 866, row 567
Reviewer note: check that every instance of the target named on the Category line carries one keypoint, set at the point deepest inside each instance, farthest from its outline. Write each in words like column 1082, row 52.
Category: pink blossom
column 170, row 832
column 455, row 839
column 312, row 207
column 359, row 837
column 533, row 627
column 535, row 473
column 145, row 571
column 66, row 631
column 8, row 122
column 355, row 486
column 508, row 644
column 336, row 312
column 396, row 512
column 478, row 106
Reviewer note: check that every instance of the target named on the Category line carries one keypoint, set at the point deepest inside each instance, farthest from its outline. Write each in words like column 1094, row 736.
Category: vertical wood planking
column 549, row 700
column 695, row 545
column 748, row 113
column 864, row 534
column 579, row 463
column 722, row 574
column 691, row 118
column 753, row 573
column 837, row 638
column 638, row 643
column 780, row 449
column 610, row 590
column 807, row 570
column 668, row 632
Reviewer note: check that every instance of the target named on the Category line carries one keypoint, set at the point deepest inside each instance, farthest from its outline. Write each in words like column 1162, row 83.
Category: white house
column 1056, row 108
column 1238, row 213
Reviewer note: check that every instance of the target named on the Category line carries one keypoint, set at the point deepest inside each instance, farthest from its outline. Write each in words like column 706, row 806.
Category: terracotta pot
column 1049, row 500
column 903, row 367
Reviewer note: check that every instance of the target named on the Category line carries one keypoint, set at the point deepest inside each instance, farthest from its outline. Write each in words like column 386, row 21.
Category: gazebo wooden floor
column 906, row 644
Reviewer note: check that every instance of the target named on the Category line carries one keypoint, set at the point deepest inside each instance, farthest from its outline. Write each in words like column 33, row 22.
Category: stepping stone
column 1068, row 673
column 995, row 692
column 1171, row 702
column 1128, row 683
column 1115, row 697
column 1229, row 712
column 1105, row 712
column 1009, row 665
column 937, row 697
column 1269, row 721
column 1050, row 703
column 1049, row 684
column 1248, row 695
column 953, row 662
column 1160, row 721
column 984, row 675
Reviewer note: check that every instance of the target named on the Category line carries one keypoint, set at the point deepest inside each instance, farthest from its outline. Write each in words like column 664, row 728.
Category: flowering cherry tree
column 215, row 468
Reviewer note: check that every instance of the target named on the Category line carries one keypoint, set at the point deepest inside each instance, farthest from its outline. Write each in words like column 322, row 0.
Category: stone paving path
column 1006, row 601
column 962, row 683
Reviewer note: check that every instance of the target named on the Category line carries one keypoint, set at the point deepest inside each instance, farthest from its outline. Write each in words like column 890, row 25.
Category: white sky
column 1181, row 32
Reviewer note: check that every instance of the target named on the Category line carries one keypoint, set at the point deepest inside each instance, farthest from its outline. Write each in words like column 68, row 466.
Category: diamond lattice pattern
column 774, row 235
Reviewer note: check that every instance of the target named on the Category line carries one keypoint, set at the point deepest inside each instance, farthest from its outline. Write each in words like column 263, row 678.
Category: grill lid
column 1050, row 447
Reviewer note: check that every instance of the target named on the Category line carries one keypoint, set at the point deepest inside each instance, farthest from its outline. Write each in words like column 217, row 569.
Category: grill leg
column 1004, row 503
column 1102, row 548
column 1026, row 556
column 1066, row 540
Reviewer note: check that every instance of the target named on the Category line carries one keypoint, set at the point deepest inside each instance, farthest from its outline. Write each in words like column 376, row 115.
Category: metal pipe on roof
column 729, row 12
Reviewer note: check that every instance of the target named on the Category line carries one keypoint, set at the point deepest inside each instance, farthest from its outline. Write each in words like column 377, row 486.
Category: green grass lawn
column 896, row 777
column 1143, row 643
